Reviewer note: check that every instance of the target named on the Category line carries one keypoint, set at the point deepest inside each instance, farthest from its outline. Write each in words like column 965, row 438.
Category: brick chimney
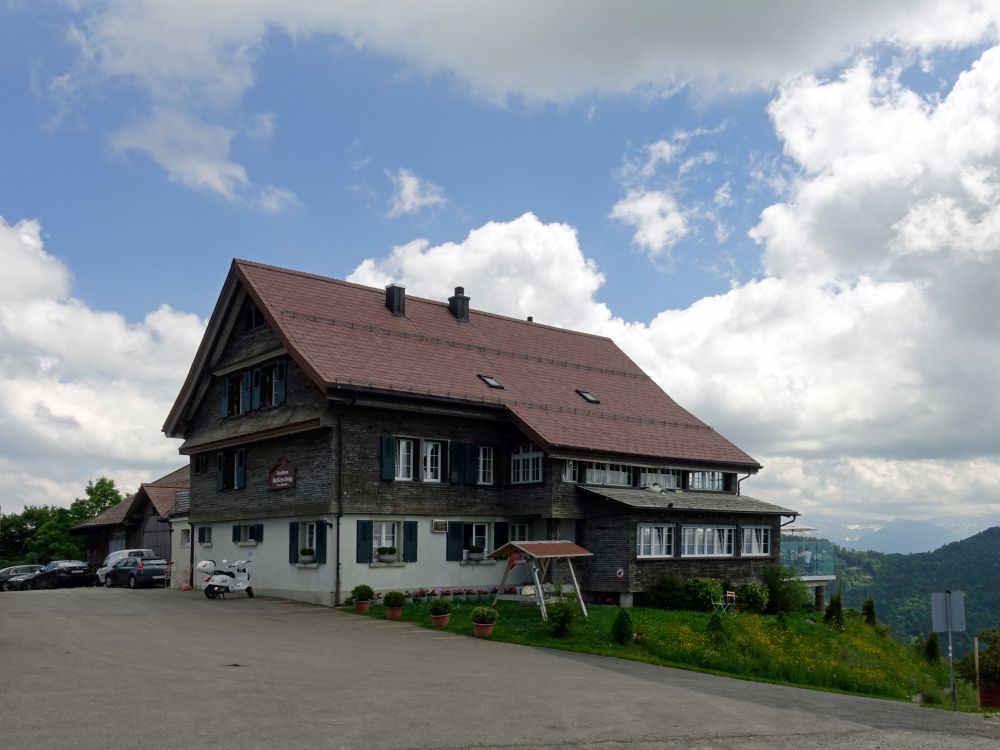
column 459, row 305
column 395, row 299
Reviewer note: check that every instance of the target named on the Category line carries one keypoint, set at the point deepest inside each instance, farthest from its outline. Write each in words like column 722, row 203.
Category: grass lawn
column 794, row 649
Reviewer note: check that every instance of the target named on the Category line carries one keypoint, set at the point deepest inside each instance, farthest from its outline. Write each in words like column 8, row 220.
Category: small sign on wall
column 439, row 527
column 282, row 476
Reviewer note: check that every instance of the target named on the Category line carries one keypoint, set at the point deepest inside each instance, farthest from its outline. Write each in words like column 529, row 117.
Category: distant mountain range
column 899, row 535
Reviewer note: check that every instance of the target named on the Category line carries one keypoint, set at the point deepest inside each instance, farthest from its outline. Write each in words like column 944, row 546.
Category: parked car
column 16, row 571
column 60, row 573
column 138, row 571
column 119, row 555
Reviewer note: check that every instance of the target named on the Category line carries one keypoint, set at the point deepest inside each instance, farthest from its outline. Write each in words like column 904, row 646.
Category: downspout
column 191, row 555
column 739, row 483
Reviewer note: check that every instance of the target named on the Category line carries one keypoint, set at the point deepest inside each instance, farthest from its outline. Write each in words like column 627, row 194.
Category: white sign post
column 948, row 615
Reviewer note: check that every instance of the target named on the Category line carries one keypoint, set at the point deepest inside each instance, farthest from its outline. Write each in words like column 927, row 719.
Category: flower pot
column 441, row 621
column 483, row 629
column 394, row 613
column 989, row 696
column 307, row 559
column 387, row 558
column 475, row 556
column 362, row 606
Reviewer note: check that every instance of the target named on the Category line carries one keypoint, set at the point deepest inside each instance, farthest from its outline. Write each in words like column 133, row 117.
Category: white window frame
column 430, row 457
column 404, row 460
column 654, row 540
column 482, row 539
column 707, row 541
column 186, row 537
column 518, row 532
column 570, row 472
column 756, row 541
column 669, row 478
column 205, row 535
column 384, row 534
column 247, row 531
column 714, row 481
column 307, row 535
column 525, row 464
column 485, row 465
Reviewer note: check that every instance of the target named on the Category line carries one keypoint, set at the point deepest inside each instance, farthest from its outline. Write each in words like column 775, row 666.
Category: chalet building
column 135, row 522
column 337, row 418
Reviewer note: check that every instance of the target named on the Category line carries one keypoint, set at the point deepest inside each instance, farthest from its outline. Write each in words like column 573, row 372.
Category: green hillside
column 901, row 585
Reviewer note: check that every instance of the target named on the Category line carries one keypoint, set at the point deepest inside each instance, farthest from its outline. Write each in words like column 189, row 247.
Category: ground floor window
column 707, row 541
column 185, row 537
column 756, row 541
column 307, row 535
column 475, row 535
column 383, row 535
column 248, row 533
column 519, row 532
column 204, row 535
column 655, row 540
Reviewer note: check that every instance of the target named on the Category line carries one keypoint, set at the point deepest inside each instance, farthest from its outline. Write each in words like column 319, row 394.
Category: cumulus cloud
column 412, row 193
column 658, row 221
column 81, row 384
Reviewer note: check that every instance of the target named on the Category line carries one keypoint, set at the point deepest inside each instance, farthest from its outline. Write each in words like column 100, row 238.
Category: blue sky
column 789, row 225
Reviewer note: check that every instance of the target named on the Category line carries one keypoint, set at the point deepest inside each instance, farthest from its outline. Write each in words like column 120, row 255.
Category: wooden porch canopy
column 540, row 556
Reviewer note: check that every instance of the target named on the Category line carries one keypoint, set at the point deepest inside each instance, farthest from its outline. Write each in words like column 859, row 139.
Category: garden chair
column 725, row 604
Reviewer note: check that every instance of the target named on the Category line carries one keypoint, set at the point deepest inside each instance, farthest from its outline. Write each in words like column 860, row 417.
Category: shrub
column 484, row 615
column 669, row 592
column 394, row 599
column 785, row 592
column 621, row 628
column 716, row 629
column 362, row 593
column 754, row 597
column 704, row 591
column 989, row 660
column 561, row 616
column 476, row 549
column 834, row 614
column 868, row 613
column 387, row 550
column 440, row 607
column 932, row 649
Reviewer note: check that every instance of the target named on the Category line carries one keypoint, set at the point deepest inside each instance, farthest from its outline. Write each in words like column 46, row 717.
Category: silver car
column 117, row 555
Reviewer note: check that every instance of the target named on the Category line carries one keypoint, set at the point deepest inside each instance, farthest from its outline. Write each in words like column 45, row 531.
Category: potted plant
column 394, row 605
column 378, row 597
column 483, row 620
column 475, row 552
column 440, row 612
column 420, row 595
column 458, row 595
column 362, row 596
column 307, row 555
column 386, row 554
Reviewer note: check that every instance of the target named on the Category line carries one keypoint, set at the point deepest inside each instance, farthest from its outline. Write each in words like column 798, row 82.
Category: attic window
column 587, row 396
column 491, row 381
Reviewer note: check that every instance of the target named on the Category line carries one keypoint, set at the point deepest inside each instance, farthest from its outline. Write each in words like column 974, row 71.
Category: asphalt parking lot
column 154, row 668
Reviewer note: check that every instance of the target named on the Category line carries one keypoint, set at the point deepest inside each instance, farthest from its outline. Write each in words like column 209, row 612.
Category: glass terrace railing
column 809, row 557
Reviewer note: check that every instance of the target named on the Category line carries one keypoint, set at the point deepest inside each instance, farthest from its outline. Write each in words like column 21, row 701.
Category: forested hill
column 901, row 585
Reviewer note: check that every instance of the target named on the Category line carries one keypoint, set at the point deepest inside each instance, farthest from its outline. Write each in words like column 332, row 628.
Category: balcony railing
column 808, row 557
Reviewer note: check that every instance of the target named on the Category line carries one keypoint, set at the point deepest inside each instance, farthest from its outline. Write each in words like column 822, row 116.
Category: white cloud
column 658, row 221
column 86, row 392
column 273, row 199
column 412, row 193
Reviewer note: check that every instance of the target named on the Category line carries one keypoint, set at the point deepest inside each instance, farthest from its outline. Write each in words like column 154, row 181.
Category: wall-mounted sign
column 620, row 572
column 282, row 476
column 439, row 527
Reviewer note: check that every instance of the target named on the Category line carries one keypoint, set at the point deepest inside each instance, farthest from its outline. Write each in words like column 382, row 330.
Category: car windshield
column 72, row 564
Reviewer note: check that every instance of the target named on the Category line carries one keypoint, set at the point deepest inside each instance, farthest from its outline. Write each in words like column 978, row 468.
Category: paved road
column 96, row 668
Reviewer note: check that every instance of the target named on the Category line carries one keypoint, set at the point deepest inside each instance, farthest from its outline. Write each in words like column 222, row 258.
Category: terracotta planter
column 362, row 607
column 394, row 613
column 441, row 621
column 989, row 696
column 483, row 629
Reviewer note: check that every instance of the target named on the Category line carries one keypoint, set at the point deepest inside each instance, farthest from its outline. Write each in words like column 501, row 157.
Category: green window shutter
column 279, row 382
column 245, row 393
column 258, row 533
column 321, row 541
column 471, row 464
column 220, row 471
column 388, row 458
column 456, row 462
column 293, row 542
column 364, row 542
column 255, row 398
column 456, row 539
column 501, row 534
column 241, row 469
column 201, row 535
column 409, row 541
column 236, row 533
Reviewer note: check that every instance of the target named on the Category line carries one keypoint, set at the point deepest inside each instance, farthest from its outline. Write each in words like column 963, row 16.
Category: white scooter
column 230, row 578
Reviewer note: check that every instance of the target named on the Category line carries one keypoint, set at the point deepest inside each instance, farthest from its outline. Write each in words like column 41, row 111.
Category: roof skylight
column 587, row 396
column 491, row 381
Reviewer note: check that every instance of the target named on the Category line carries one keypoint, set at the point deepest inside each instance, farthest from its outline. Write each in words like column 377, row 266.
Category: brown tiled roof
column 162, row 493
column 343, row 336
column 554, row 548
column 114, row 515
column 178, row 478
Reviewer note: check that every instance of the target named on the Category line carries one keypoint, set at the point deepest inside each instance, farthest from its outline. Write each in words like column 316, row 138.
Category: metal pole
column 951, row 665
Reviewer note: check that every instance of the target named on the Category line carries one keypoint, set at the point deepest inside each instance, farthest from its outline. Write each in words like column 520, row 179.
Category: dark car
column 138, row 571
column 16, row 571
column 60, row 573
